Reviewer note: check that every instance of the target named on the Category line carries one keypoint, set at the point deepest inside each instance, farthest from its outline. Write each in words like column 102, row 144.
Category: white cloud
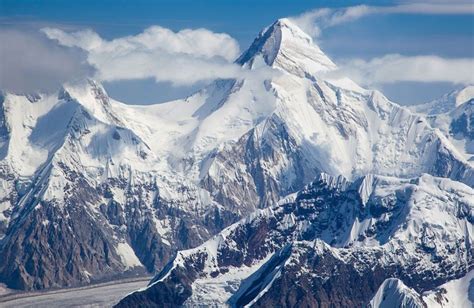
column 182, row 58
column 199, row 42
column 29, row 62
column 313, row 22
column 395, row 68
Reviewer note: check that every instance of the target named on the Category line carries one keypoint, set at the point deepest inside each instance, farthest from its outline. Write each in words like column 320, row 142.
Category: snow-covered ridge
column 453, row 115
column 394, row 293
column 447, row 102
column 455, row 293
column 411, row 228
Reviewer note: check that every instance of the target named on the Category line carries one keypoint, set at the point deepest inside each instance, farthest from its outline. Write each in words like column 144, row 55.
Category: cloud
column 393, row 68
column 396, row 68
column 32, row 63
column 313, row 22
column 182, row 58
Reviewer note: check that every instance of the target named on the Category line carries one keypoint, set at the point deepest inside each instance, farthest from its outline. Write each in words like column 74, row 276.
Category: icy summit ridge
column 285, row 46
column 269, row 40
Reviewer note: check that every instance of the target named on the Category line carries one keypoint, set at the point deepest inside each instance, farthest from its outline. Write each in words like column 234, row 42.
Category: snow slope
column 393, row 293
column 455, row 293
column 447, row 102
column 455, row 119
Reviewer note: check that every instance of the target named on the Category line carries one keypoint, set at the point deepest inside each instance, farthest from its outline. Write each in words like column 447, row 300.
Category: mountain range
column 286, row 187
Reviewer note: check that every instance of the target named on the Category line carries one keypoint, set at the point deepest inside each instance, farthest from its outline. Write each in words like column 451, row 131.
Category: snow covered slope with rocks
column 447, row 102
column 99, row 204
column 93, row 188
column 453, row 115
column 317, row 125
column 393, row 293
column 455, row 293
column 336, row 242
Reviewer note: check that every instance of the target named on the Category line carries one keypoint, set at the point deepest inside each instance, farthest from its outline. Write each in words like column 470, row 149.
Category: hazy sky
column 45, row 43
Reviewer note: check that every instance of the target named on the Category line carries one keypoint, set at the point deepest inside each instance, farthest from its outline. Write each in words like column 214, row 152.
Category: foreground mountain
column 93, row 188
column 335, row 242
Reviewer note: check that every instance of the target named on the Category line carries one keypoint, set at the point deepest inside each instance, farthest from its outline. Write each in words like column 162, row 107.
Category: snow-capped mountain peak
column 394, row 293
column 447, row 102
column 453, row 115
column 465, row 94
column 285, row 46
column 93, row 97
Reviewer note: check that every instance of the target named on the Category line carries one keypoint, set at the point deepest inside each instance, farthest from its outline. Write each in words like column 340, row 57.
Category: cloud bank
column 182, row 58
column 395, row 68
column 29, row 62
column 314, row 21
column 43, row 61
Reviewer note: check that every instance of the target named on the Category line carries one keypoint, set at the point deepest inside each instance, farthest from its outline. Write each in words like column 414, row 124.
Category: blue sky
column 449, row 36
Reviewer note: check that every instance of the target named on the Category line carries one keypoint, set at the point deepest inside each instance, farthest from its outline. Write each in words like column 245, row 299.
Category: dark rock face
column 331, row 282
column 258, row 281
column 4, row 134
column 314, row 259
column 170, row 295
column 60, row 251
column 10, row 196
column 51, row 245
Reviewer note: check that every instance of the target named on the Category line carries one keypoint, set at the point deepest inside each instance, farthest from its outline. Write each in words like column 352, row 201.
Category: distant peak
column 92, row 96
column 448, row 102
column 464, row 95
column 84, row 86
